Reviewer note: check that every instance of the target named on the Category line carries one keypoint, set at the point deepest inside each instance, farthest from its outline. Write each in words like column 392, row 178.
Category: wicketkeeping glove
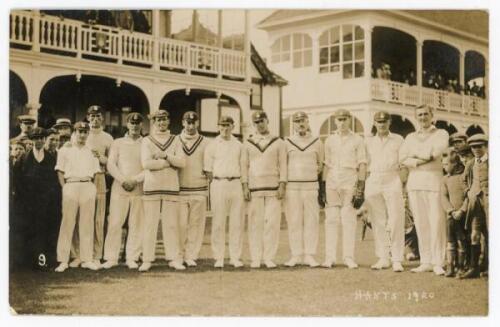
column 359, row 194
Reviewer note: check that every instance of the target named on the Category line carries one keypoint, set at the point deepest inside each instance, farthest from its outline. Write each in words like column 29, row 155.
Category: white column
column 419, row 63
column 368, row 51
column 462, row 69
column 219, row 28
column 36, row 30
column 156, row 38
column 368, row 59
column 219, row 42
column 247, row 47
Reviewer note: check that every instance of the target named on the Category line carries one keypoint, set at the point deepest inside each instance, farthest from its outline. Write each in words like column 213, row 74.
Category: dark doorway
column 66, row 97
column 178, row 102
column 397, row 49
column 446, row 126
column 18, row 97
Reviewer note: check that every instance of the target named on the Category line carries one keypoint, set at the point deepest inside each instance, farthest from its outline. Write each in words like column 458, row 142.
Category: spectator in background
column 452, row 198
column 17, row 150
column 37, row 186
column 64, row 129
column 52, row 141
column 27, row 142
column 141, row 23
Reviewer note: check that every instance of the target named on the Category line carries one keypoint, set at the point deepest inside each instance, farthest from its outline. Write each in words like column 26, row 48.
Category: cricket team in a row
column 170, row 177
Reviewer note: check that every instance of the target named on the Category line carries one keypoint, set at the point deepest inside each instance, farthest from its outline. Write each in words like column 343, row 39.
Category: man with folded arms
column 264, row 189
column 421, row 152
column 124, row 164
column 224, row 164
column 76, row 168
column 161, row 157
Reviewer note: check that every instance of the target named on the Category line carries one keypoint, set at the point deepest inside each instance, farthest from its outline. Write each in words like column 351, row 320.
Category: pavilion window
column 281, row 49
column 302, row 50
column 256, row 96
column 342, row 47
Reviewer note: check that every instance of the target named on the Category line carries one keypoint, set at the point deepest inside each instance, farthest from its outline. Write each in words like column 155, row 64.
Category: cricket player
column 193, row 189
column 421, row 152
column 124, row 164
column 99, row 142
column 384, row 194
column 305, row 163
column 161, row 157
column 76, row 168
column 264, row 189
column 224, row 164
column 345, row 174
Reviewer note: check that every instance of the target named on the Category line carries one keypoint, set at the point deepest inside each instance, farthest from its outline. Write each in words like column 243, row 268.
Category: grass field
column 206, row 291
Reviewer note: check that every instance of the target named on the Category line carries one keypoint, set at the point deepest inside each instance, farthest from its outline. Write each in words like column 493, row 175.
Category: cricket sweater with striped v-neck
column 192, row 177
column 161, row 175
column 305, row 157
column 266, row 164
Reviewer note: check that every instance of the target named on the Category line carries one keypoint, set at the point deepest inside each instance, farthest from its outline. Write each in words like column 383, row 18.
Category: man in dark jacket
column 37, row 190
column 476, row 204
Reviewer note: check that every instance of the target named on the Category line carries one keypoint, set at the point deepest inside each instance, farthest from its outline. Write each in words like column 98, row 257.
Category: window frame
column 302, row 50
column 354, row 42
column 257, row 82
column 282, row 54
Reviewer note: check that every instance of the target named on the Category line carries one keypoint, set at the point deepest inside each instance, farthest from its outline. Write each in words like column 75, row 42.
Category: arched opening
column 449, row 127
column 475, row 71
column 18, row 97
column 206, row 104
column 64, row 96
column 474, row 129
column 441, row 66
column 394, row 55
column 328, row 127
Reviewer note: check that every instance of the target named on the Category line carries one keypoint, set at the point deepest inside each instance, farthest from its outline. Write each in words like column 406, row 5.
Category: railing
column 70, row 37
column 21, row 27
column 408, row 95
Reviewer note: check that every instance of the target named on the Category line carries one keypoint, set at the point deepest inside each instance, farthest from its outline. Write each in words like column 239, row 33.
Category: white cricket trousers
column 339, row 210
column 227, row 200
column 385, row 204
column 302, row 214
column 264, row 227
column 430, row 223
column 121, row 206
column 192, row 212
column 77, row 196
column 168, row 212
column 100, row 215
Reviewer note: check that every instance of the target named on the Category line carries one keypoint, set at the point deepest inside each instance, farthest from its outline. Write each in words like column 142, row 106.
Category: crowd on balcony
column 441, row 81
column 430, row 79
column 133, row 20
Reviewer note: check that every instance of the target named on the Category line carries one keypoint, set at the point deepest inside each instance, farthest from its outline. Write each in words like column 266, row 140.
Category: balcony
column 42, row 33
column 441, row 101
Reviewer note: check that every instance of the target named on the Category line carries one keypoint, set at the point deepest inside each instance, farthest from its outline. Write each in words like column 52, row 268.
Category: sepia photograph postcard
column 229, row 160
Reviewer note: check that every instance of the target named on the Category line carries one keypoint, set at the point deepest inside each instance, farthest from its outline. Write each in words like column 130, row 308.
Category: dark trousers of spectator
column 411, row 242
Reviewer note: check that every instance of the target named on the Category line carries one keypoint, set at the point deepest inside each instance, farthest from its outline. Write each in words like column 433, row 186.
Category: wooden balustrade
column 90, row 41
column 407, row 95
